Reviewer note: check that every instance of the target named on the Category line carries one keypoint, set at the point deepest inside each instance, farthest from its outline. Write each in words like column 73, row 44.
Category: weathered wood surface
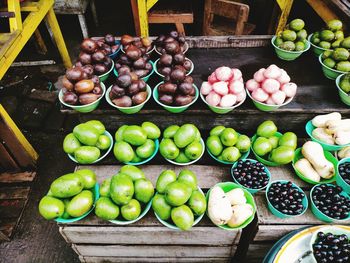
column 70, row 7
column 151, row 260
column 275, row 232
column 17, row 177
column 257, row 252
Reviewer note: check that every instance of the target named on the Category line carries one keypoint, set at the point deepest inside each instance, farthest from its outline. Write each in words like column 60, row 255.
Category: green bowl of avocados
column 83, row 108
column 126, row 222
column 156, row 142
column 264, row 159
column 174, row 109
column 145, row 78
column 228, row 186
column 345, row 97
column 102, row 156
column 316, row 49
column 328, row 147
column 286, row 54
column 329, row 72
column 132, row 109
column 104, row 77
column 298, row 155
column 171, row 225
column 96, row 193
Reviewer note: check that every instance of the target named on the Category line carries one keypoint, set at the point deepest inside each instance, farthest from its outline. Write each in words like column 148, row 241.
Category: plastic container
column 345, row 98
column 250, row 190
column 132, row 109
column 145, row 79
column 228, row 186
column 104, row 77
column 222, row 110
column 321, row 216
column 328, row 147
column 156, row 70
column 174, row 109
column 298, row 155
column 83, row 108
column 329, row 72
column 289, row 55
column 266, row 107
column 262, row 159
column 278, row 213
column 173, row 226
column 71, row 156
column 96, row 192
column 191, row 162
column 149, row 158
column 184, row 52
column 316, row 49
column 114, row 54
column 339, row 180
column 143, row 213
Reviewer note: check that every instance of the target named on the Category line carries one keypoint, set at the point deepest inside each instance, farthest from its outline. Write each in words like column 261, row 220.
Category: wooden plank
column 17, row 177
column 6, row 229
column 157, row 18
column 257, row 251
column 153, row 251
column 149, row 259
column 14, row 192
column 322, row 9
column 11, row 208
column 135, row 235
column 274, row 232
column 6, row 160
column 16, row 21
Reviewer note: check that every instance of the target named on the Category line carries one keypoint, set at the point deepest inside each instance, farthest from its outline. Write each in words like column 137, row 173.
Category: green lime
column 340, row 54
column 329, row 62
column 278, row 41
column 336, row 43
column 344, row 84
column 343, row 66
column 326, row 54
column 334, row 25
column 299, row 46
column 346, row 42
column 288, row 45
column 326, row 35
column 296, row 24
column 289, row 35
column 339, row 35
column 302, row 34
column 325, row 45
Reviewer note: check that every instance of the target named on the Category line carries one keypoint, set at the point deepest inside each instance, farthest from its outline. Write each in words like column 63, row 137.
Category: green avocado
column 121, row 189
column 87, row 154
column 343, row 66
column 123, row 152
column 50, row 207
column 288, row 35
column 106, row 209
column 185, row 135
column 217, row 130
column 168, row 149
column 70, row 143
column 146, row 150
column 266, row 129
column 161, row 207
column 288, row 139
column 231, row 154
column 282, row 155
column 182, row 217
column 194, row 150
column 67, row 185
column 166, row 177
column 65, row 213
column 346, row 42
column 88, row 177
column 214, row 145
column 80, row 204
column 170, row 131
column 134, row 135
column 131, row 210
column 243, row 143
column 103, row 142
column 105, row 186
column 197, row 203
column 152, row 130
column 182, row 158
column 86, row 134
column 144, row 190
column 188, row 177
column 119, row 133
column 177, row 193
column 97, row 125
column 133, row 171
column 340, row 54
column 327, row 35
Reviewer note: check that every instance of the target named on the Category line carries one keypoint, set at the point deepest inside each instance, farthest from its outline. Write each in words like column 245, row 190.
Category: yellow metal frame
column 143, row 7
column 43, row 9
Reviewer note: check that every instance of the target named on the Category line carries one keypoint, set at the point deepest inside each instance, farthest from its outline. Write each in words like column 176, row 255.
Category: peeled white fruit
column 320, row 120
column 212, row 78
column 223, row 73
column 290, row 89
column 236, row 196
column 272, row 72
column 259, row 75
column 252, row 85
column 260, row 95
column 306, row 169
column 205, row 88
column 270, row 85
column 278, row 97
column 342, row 137
column 236, row 87
column 323, row 136
column 228, row 100
column 213, row 98
column 344, row 153
column 240, row 214
column 270, row 101
column 237, row 74
column 220, row 88
column 313, row 152
column 219, row 206
column 284, row 78
column 241, row 96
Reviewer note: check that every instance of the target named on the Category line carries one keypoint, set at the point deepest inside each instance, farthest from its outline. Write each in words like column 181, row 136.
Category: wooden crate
column 70, row 6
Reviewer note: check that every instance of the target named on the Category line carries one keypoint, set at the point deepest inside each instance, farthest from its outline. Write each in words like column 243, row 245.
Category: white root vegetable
column 338, row 125
column 236, row 196
column 219, row 207
column 240, row 214
column 320, row 120
column 344, row 153
column 323, row 136
column 342, row 137
column 306, row 169
column 313, row 152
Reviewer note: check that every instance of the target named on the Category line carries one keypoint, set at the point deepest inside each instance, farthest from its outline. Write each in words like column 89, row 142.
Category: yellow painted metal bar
column 19, row 135
column 150, row 4
column 143, row 17
column 322, row 10
column 29, row 7
column 57, row 34
column 285, row 6
column 15, row 22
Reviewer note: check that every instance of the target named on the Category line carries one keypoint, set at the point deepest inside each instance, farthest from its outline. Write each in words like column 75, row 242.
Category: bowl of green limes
column 343, row 85
column 335, row 62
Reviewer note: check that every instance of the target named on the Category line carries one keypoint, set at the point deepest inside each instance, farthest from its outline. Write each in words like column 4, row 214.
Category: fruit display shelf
column 315, row 95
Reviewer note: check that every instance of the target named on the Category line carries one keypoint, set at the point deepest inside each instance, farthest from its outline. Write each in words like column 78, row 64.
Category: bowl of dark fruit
column 285, row 199
column 251, row 175
column 330, row 244
column 329, row 203
column 343, row 174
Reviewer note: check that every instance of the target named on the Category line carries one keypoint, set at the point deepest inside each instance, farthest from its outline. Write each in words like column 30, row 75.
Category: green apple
column 266, row 129
column 229, row 137
column 262, row 146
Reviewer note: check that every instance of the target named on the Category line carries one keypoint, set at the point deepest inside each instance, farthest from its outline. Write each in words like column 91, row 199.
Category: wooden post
column 143, row 17
column 322, row 10
column 285, row 6
column 15, row 22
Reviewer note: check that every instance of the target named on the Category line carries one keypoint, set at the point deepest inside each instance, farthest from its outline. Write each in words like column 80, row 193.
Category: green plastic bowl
column 339, row 180
column 278, row 213
column 191, row 162
column 228, row 186
column 345, row 98
column 185, row 50
column 149, row 158
column 316, row 49
column 71, row 156
column 125, row 222
column 288, row 55
column 328, row 147
column 145, row 79
column 221, row 110
column 114, row 54
column 170, row 224
column 298, row 155
column 174, row 109
column 83, row 108
column 250, row 190
column 162, row 76
column 262, row 159
column 329, row 72
column 321, row 216
column 132, row 109
column 96, row 192
column 104, row 77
